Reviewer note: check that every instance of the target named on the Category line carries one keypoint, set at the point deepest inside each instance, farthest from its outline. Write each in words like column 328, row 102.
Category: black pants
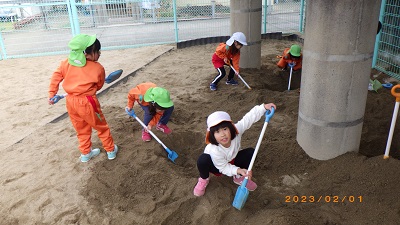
column 221, row 74
column 206, row 166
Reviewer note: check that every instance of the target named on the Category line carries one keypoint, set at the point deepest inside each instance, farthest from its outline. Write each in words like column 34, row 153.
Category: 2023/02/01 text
column 321, row 198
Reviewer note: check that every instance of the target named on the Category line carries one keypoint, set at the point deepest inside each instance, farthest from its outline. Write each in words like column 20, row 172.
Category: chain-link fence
column 387, row 46
column 42, row 27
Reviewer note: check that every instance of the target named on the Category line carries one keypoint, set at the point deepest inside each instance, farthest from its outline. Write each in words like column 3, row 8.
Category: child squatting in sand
column 223, row 153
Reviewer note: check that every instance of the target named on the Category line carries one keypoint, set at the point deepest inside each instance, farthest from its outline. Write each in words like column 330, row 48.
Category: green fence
column 387, row 46
column 44, row 27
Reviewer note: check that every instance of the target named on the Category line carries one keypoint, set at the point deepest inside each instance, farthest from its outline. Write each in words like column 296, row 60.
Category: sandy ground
column 43, row 181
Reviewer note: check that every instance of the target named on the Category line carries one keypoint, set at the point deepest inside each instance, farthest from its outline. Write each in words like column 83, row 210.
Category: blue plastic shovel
column 113, row 76
column 242, row 193
column 291, row 65
column 171, row 154
column 109, row 79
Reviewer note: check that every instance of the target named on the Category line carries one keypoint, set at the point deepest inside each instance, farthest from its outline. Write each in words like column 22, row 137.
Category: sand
column 43, row 181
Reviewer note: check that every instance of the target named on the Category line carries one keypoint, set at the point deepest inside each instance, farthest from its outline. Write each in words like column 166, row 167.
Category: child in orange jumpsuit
column 156, row 104
column 227, row 54
column 82, row 77
column 291, row 55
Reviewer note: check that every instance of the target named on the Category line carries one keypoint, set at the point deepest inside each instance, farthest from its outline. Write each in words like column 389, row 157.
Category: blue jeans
column 164, row 118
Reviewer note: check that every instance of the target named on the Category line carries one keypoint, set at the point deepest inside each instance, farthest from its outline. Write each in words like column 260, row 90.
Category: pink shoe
column 163, row 128
column 146, row 136
column 251, row 186
column 200, row 188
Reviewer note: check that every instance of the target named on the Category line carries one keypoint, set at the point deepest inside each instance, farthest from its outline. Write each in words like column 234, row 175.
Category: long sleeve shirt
column 137, row 93
column 221, row 156
column 286, row 58
column 222, row 52
column 85, row 81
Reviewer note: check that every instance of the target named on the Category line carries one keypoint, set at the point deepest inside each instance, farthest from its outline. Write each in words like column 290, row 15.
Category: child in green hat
column 291, row 55
column 82, row 76
column 156, row 104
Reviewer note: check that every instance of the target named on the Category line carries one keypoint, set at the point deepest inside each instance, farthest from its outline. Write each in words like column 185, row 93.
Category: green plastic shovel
column 242, row 193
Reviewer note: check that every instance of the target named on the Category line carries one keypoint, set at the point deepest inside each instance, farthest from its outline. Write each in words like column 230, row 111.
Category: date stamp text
column 324, row 199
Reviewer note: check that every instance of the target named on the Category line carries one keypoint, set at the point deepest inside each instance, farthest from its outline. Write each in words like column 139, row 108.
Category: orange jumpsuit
column 137, row 94
column 81, row 84
column 287, row 58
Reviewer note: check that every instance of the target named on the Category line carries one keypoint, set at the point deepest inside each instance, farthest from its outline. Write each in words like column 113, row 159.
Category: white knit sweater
column 221, row 156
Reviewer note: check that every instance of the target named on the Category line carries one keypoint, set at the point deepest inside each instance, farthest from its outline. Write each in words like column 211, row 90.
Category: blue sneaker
column 213, row 87
column 91, row 154
column 113, row 154
column 232, row 82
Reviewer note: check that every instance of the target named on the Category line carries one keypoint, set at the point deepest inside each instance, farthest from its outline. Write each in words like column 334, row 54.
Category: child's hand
column 269, row 105
column 292, row 64
column 130, row 111
column 226, row 61
column 245, row 173
column 149, row 127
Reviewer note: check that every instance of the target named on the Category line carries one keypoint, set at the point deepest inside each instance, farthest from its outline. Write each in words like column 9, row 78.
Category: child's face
column 223, row 137
column 238, row 45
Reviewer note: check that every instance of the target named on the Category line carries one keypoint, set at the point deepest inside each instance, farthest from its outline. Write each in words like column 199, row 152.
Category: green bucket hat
column 158, row 95
column 295, row 50
column 78, row 45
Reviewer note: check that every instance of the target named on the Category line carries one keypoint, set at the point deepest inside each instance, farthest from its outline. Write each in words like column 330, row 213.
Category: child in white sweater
column 223, row 153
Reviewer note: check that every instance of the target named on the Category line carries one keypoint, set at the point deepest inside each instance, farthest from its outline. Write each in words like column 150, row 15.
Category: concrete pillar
column 338, row 48
column 246, row 18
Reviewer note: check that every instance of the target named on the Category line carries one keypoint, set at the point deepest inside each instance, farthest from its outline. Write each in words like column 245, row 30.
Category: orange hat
column 216, row 118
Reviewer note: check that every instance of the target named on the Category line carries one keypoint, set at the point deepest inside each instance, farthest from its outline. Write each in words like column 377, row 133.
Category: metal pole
column 265, row 16
column 3, row 49
column 378, row 36
column 71, row 22
column 175, row 21
column 75, row 18
column 213, row 8
column 301, row 16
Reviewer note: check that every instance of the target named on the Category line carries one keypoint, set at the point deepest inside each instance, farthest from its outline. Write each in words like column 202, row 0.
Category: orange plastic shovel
column 394, row 118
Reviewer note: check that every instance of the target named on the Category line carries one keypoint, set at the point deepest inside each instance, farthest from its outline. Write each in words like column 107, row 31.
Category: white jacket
column 221, row 156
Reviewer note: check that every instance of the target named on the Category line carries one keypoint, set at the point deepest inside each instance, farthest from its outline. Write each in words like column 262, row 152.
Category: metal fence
column 387, row 46
column 44, row 27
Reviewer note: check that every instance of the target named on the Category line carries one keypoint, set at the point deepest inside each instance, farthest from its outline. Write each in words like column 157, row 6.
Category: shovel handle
column 268, row 115
column 395, row 93
column 132, row 113
column 240, row 76
column 392, row 125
